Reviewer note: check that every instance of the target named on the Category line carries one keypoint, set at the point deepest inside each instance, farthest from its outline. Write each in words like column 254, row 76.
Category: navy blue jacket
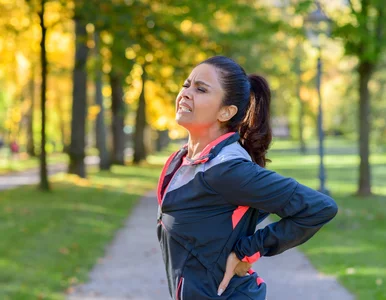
column 210, row 206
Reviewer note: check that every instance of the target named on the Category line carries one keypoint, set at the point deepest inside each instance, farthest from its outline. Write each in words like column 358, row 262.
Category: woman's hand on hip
column 233, row 266
column 242, row 268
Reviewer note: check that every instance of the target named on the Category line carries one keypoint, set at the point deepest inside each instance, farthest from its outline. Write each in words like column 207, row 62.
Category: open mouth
column 184, row 108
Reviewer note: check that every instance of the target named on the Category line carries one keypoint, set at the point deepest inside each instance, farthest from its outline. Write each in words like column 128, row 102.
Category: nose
column 186, row 93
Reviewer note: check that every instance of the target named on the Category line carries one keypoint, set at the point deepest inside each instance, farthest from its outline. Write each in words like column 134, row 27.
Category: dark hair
column 252, row 96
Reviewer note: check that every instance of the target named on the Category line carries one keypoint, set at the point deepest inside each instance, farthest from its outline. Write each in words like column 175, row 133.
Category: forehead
column 206, row 73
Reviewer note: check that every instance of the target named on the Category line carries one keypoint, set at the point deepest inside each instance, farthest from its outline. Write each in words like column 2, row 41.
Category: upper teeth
column 183, row 108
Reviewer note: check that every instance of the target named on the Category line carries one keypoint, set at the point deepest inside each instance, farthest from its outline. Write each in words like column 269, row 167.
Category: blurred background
column 87, row 91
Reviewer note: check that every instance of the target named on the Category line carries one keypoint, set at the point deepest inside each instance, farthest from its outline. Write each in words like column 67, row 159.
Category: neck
column 199, row 140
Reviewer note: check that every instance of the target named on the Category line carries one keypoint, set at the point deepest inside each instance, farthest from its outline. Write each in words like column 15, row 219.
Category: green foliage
column 364, row 34
column 265, row 37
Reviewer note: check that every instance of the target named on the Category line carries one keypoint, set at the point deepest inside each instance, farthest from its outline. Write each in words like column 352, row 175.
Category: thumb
column 224, row 283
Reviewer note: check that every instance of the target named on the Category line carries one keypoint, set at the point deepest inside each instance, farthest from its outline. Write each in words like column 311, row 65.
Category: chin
column 184, row 123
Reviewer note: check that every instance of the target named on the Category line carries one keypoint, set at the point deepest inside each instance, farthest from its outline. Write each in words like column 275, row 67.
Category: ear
column 227, row 112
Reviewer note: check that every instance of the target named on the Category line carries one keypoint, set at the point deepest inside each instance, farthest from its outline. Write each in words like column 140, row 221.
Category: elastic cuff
column 244, row 247
column 252, row 259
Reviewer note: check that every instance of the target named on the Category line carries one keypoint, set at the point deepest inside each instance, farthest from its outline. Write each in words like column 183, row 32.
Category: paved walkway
column 133, row 268
column 15, row 179
column 31, row 176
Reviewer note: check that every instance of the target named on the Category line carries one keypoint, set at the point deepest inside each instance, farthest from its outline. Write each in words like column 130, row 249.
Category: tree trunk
column 62, row 126
column 162, row 140
column 79, row 104
column 44, row 184
column 365, row 70
column 140, row 124
column 118, row 118
column 301, row 103
column 302, row 143
column 30, row 116
column 104, row 160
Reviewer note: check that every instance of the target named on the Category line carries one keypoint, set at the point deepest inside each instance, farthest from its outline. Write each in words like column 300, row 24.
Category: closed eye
column 200, row 89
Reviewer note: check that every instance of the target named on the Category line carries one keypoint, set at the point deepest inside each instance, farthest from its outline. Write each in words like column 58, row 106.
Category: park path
column 15, row 179
column 133, row 269
column 28, row 177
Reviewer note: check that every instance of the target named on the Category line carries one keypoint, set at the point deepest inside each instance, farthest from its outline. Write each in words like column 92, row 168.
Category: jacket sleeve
column 303, row 211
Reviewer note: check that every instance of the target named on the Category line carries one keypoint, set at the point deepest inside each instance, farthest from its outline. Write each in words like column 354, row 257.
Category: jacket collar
column 213, row 149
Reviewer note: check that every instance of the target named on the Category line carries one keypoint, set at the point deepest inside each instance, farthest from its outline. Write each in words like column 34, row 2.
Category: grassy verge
column 51, row 240
column 23, row 162
column 351, row 247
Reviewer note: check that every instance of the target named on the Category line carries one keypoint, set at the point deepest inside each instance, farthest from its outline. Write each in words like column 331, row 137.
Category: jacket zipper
column 180, row 289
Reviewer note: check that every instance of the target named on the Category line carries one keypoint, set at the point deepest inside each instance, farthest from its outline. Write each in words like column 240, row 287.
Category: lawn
column 50, row 241
column 353, row 246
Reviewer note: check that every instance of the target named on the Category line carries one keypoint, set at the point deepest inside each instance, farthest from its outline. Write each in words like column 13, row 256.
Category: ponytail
column 252, row 96
column 255, row 129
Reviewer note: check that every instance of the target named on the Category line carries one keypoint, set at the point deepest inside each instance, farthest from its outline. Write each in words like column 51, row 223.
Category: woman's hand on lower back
column 233, row 266
column 242, row 268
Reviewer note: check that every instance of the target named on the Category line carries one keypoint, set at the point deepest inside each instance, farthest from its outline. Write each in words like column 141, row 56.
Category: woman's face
column 199, row 103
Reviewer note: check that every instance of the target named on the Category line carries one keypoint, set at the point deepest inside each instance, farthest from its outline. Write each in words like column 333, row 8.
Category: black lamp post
column 317, row 26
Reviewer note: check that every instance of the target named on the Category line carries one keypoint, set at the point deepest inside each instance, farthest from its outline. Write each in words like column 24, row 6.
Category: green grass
column 50, row 241
column 352, row 247
column 24, row 162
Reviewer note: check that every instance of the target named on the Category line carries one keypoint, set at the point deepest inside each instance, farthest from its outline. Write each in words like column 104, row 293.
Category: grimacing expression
column 199, row 103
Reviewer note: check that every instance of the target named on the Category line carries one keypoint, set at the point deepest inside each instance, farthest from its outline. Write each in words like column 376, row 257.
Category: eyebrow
column 198, row 82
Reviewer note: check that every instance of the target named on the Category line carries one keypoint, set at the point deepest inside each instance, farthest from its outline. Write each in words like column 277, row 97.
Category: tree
column 104, row 159
column 297, row 69
column 79, row 105
column 30, row 116
column 44, row 185
column 118, row 117
column 364, row 37
column 115, row 22
column 140, row 123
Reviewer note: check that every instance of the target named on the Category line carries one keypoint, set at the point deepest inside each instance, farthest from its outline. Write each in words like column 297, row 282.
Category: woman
column 214, row 190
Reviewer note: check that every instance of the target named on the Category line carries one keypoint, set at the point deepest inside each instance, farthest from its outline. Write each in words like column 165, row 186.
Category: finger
column 231, row 264
column 224, row 283
column 240, row 271
column 242, row 268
